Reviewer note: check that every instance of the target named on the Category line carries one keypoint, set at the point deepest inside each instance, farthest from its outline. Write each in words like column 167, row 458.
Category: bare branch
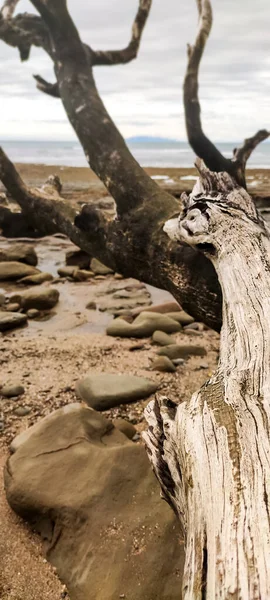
column 242, row 154
column 8, row 8
column 24, row 31
column 116, row 57
column 51, row 89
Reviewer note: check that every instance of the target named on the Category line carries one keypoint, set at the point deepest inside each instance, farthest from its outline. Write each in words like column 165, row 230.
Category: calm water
column 151, row 154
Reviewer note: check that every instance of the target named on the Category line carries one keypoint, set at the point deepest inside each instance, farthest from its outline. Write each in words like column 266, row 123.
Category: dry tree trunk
column 212, row 454
column 200, row 143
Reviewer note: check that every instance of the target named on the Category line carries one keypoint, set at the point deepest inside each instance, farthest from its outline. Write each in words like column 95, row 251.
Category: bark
column 201, row 144
column 211, row 454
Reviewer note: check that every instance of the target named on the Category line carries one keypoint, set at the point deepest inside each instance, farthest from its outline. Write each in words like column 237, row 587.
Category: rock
column 178, row 362
column 102, row 391
column 98, row 268
column 193, row 326
column 33, row 313
column 78, row 258
column 163, row 363
column 66, row 271
column 125, row 427
column 43, row 298
column 181, row 351
column 92, row 495
column 16, row 298
column 82, row 275
column 11, row 390
column 118, row 276
column 22, row 411
column 162, row 339
column 10, row 320
column 143, row 326
column 192, row 332
column 14, row 307
column 24, row 253
column 15, row 270
column 2, row 299
column 36, row 279
column 181, row 317
column 165, row 308
column 91, row 306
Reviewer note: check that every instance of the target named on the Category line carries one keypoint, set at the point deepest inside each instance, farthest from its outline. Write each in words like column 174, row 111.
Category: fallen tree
column 211, row 454
column 201, row 144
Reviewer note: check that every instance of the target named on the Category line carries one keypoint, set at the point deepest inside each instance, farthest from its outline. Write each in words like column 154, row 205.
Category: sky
column 145, row 97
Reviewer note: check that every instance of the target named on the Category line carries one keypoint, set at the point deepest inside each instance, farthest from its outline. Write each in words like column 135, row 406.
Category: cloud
column 146, row 95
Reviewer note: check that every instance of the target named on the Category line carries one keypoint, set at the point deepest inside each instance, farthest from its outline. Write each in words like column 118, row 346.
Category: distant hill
column 144, row 139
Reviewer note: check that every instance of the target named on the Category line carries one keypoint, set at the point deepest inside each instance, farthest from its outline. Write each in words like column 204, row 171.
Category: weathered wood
column 212, row 454
column 201, row 144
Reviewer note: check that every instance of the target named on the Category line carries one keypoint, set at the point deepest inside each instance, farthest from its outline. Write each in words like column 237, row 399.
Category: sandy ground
column 48, row 358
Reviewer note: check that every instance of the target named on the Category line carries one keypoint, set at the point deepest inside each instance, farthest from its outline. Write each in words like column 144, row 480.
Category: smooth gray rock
column 181, row 351
column 12, row 390
column 22, row 411
column 181, row 317
column 15, row 270
column 143, row 326
column 162, row 339
column 36, row 279
column 24, row 253
column 66, row 271
column 102, row 391
column 10, row 320
column 163, row 364
column 98, row 268
column 43, row 298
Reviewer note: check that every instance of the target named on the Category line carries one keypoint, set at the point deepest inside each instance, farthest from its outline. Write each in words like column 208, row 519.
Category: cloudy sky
column 145, row 97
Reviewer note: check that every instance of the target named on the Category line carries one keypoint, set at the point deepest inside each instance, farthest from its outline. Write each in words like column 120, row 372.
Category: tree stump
column 211, row 455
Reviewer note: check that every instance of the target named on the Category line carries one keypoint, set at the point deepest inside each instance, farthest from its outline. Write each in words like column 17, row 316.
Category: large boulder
column 91, row 494
column 41, row 298
column 15, row 270
column 24, row 253
column 10, row 320
column 102, row 391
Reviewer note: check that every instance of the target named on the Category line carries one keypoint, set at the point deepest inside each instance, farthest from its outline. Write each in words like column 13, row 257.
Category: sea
column 148, row 153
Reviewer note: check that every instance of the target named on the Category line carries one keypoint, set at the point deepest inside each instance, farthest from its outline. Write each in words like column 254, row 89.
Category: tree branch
column 134, row 245
column 8, row 8
column 116, row 57
column 24, row 31
column 200, row 143
column 46, row 87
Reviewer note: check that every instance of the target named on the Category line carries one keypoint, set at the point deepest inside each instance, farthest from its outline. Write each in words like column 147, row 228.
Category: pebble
column 22, row 411
column 13, row 307
column 33, row 313
column 12, row 390
column 163, row 364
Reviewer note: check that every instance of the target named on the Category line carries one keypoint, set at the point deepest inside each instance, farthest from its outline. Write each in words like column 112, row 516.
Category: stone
column 91, row 305
column 36, row 279
column 78, row 258
column 164, row 308
column 33, row 313
column 143, row 326
column 22, row 411
column 91, row 494
column 192, row 332
column 99, row 269
column 181, row 351
column 118, row 276
column 181, row 317
column 24, row 253
column 15, row 270
column 11, row 390
column 125, row 427
column 82, row 275
column 10, row 320
column 16, row 298
column 102, row 391
column 163, row 364
column 42, row 298
column 14, row 307
column 2, row 299
column 162, row 339
column 192, row 326
column 66, row 271
column 178, row 362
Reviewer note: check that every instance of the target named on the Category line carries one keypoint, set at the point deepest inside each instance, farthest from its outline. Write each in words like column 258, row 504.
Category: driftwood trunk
column 212, row 454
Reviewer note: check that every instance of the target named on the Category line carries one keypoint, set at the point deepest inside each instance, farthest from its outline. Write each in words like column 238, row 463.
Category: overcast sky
column 145, row 97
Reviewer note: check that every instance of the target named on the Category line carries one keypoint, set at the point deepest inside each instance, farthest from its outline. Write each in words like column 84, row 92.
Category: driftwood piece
column 201, row 144
column 211, row 454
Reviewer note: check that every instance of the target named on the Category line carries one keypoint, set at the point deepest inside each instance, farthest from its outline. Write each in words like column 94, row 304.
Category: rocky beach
column 75, row 335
